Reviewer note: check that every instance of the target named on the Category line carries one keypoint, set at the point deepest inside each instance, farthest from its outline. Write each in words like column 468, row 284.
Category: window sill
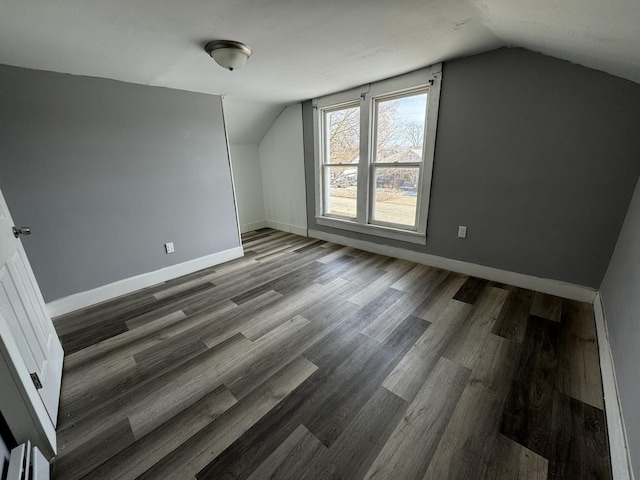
column 375, row 230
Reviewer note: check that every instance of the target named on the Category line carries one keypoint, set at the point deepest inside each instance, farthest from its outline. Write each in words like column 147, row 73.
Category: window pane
column 342, row 192
column 396, row 195
column 342, row 135
column 400, row 126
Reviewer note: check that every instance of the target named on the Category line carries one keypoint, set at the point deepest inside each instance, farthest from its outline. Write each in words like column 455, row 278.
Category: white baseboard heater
column 27, row 463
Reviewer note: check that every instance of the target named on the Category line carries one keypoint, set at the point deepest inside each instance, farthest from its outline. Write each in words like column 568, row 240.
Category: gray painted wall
column 619, row 292
column 537, row 156
column 106, row 172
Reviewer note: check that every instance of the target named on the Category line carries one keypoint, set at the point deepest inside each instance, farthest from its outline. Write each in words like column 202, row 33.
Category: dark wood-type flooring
column 309, row 360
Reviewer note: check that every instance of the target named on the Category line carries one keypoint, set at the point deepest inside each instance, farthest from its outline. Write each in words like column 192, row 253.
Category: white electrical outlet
column 169, row 248
column 462, row 231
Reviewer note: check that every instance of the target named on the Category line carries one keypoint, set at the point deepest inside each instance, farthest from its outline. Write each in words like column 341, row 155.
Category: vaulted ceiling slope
column 304, row 48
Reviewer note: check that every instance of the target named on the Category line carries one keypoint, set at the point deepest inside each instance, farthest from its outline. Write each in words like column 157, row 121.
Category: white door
column 25, row 325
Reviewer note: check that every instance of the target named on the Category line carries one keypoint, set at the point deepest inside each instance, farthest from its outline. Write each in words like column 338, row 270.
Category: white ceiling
column 303, row 48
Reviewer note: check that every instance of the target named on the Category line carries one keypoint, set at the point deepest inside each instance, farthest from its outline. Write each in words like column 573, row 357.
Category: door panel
column 17, row 319
column 40, row 317
column 25, row 318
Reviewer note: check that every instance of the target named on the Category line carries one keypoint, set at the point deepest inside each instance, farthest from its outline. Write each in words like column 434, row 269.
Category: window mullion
column 363, row 165
column 325, row 187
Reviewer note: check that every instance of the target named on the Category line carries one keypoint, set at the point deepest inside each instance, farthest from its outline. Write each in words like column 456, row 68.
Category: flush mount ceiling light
column 228, row 54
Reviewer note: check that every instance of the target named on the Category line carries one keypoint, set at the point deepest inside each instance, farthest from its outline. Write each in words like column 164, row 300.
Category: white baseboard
column 544, row 285
column 128, row 285
column 620, row 460
column 287, row 228
column 250, row 227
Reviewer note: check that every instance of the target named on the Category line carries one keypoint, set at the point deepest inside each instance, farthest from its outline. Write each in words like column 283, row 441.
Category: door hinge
column 36, row 381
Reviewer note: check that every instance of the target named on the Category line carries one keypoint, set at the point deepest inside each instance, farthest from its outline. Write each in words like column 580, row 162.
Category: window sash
column 326, row 180
column 372, row 198
column 396, row 96
column 325, row 130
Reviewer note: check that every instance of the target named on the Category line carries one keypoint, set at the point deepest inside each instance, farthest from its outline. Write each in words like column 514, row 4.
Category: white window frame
column 366, row 96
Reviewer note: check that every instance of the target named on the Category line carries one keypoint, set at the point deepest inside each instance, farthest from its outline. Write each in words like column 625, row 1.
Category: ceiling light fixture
column 228, row 54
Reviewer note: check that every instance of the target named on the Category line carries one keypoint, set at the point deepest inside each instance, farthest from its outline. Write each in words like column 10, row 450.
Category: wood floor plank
column 83, row 387
column 94, row 451
column 231, row 323
column 230, row 284
column 193, row 455
column 382, row 326
column 79, row 319
column 156, row 398
column 311, row 246
column 137, row 340
column 301, row 407
column 336, row 269
column 369, row 294
column 201, row 279
column 529, row 407
column 578, row 356
column 387, row 321
column 276, row 313
column 579, row 448
column 412, row 444
column 254, row 233
column 265, row 355
column 190, row 306
column 102, row 348
column 279, row 346
column 82, row 338
column 546, row 306
column 512, row 322
column 174, row 397
column 412, row 371
column 467, row 345
column 466, row 445
column 161, row 442
column 330, row 419
column 292, row 458
column 367, row 266
column 110, row 325
column 165, row 353
column 249, row 242
column 275, row 250
column 471, row 290
column 83, row 391
column 185, row 279
column 351, row 456
column 407, row 281
column 324, row 351
column 510, row 460
column 339, row 252
column 285, row 284
column 432, row 307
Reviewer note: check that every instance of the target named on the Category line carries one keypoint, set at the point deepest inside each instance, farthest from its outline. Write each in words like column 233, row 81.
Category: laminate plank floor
column 309, row 360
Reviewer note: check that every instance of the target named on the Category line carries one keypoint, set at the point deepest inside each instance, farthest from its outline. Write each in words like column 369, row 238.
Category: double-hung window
column 374, row 149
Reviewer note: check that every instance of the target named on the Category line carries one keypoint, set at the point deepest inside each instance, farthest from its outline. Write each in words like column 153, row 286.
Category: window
column 374, row 151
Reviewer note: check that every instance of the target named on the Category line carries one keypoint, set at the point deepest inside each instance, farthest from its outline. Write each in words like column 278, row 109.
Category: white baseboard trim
column 128, row 285
column 250, row 227
column 287, row 228
column 544, row 285
column 620, row 460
